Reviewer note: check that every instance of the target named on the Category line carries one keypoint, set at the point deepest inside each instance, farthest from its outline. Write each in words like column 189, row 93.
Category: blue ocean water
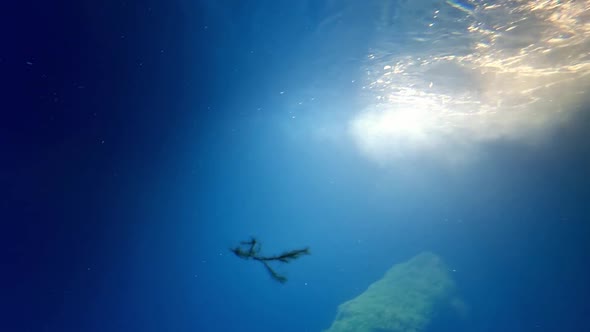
column 142, row 140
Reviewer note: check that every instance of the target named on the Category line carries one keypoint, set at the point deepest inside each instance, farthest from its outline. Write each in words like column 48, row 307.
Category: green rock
column 406, row 299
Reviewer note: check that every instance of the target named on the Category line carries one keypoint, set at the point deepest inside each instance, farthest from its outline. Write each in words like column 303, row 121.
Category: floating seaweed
column 251, row 250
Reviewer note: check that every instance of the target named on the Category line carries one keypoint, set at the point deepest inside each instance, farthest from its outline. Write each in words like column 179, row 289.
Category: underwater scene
column 295, row 166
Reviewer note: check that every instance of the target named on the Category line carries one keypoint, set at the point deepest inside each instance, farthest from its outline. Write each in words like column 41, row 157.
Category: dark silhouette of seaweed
column 251, row 250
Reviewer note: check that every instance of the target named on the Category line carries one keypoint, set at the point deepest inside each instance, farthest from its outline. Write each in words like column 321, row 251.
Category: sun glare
column 512, row 71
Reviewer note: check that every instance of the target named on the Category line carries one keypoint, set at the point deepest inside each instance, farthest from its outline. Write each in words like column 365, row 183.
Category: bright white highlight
column 408, row 119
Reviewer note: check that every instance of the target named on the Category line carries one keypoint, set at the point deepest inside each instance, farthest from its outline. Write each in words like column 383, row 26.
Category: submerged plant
column 251, row 250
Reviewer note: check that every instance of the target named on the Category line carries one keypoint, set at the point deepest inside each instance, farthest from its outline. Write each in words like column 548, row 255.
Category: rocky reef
column 407, row 299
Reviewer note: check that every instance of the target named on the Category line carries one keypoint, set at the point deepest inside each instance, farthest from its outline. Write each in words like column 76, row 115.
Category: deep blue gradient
column 140, row 140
